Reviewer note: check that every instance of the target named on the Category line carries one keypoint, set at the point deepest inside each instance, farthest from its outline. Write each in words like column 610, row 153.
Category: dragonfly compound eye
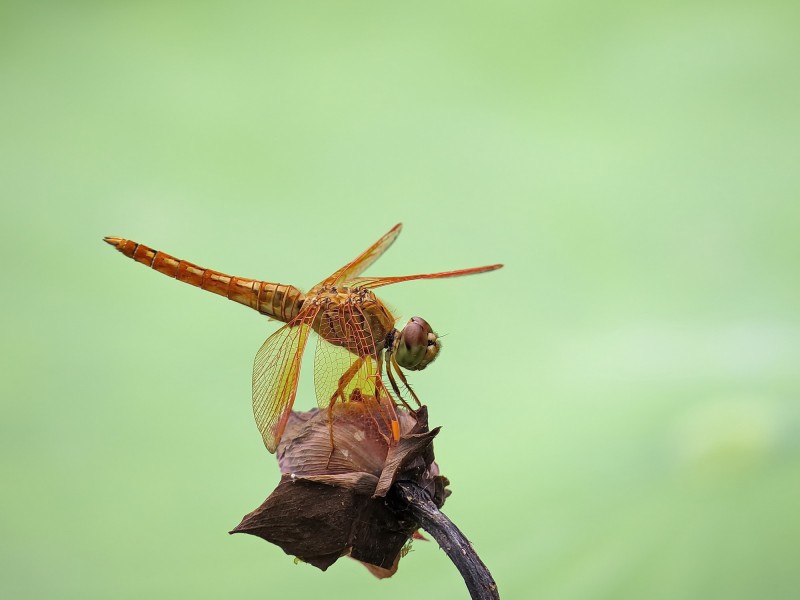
column 418, row 345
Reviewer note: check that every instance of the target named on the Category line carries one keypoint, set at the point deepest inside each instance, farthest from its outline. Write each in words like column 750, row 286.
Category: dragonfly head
column 417, row 345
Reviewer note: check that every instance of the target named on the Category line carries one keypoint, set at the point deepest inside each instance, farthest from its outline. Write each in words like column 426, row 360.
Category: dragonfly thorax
column 353, row 318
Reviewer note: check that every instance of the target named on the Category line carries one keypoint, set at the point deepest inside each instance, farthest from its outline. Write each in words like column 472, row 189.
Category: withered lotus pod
column 330, row 504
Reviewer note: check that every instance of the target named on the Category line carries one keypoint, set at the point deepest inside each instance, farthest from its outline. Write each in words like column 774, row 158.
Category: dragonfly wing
column 275, row 372
column 333, row 364
column 347, row 370
column 344, row 353
column 365, row 259
column 376, row 282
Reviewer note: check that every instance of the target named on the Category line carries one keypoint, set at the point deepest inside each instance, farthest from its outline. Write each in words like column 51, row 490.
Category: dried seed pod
column 330, row 504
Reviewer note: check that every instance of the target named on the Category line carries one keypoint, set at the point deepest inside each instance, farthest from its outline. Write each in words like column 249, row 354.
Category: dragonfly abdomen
column 275, row 300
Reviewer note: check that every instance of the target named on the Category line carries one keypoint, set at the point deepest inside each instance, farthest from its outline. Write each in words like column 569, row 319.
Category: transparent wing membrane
column 333, row 364
column 346, row 366
column 365, row 259
column 345, row 351
column 376, row 282
column 275, row 372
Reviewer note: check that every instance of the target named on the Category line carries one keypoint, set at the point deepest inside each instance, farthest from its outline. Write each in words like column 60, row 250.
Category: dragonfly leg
column 393, row 382
column 393, row 362
column 405, row 382
column 345, row 379
column 378, row 382
column 380, row 386
column 386, row 410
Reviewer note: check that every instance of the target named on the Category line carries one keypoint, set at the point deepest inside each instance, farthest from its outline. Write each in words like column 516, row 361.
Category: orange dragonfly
column 357, row 340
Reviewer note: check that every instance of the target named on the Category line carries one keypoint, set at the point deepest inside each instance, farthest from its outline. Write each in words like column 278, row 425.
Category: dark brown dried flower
column 333, row 504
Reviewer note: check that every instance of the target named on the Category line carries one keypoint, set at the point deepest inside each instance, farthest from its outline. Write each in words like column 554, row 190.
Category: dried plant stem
column 479, row 581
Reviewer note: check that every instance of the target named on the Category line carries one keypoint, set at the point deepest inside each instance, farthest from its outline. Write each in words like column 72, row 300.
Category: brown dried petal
column 405, row 456
column 328, row 504
column 318, row 523
column 307, row 519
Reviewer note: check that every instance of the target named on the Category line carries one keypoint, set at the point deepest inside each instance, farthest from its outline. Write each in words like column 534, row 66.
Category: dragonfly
column 357, row 341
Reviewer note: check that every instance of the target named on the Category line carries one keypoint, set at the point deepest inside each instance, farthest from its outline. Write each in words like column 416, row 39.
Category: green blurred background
column 620, row 403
